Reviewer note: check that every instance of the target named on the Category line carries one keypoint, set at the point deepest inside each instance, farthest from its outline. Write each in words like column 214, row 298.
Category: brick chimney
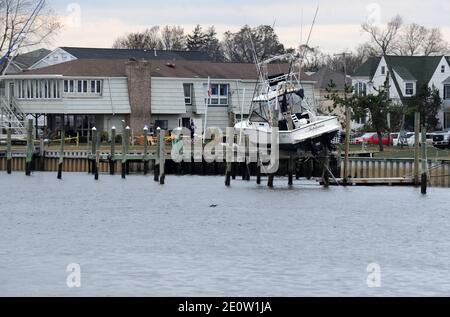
column 139, row 90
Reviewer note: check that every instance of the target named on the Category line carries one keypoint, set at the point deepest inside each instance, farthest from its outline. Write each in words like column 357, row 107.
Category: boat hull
column 306, row 138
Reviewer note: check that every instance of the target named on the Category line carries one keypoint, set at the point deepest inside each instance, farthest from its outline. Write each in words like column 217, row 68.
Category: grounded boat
column 280, row 100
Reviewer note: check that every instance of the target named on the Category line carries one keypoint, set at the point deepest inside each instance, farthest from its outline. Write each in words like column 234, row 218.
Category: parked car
column 441, row 140
column 365, row 138
column 412, row 139
column 396, row 138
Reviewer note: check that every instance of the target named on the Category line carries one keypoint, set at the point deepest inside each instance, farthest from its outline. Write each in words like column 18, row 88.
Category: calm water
column 136, row 238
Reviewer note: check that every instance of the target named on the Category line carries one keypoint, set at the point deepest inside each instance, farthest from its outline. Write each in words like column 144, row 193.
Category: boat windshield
column 260, row 112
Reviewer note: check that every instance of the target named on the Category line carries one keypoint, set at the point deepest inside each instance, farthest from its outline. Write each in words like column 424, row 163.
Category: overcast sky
column 96, row 23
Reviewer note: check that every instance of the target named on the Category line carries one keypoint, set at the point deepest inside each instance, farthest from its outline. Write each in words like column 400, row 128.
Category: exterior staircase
column 12, row 116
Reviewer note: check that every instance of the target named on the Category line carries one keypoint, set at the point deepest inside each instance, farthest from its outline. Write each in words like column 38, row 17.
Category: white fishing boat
column 280, row 100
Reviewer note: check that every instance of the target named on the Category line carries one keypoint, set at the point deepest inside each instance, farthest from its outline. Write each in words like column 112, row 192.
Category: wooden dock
column 394, row 181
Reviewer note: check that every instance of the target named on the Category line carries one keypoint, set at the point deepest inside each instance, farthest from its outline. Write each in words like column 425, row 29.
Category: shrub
column 119, row 139
column 104, row 137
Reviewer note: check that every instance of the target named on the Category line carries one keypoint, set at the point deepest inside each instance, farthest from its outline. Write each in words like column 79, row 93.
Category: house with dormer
column 406, row 75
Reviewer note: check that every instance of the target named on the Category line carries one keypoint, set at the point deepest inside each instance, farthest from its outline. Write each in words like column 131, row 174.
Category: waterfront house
column 406, row 74
column 84, row 93
column 327, row 82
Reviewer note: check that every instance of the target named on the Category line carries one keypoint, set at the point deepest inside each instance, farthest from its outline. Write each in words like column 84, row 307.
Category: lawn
column 398, row 152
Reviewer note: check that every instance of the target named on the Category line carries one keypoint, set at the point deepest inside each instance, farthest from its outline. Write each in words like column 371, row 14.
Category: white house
column 84, row 93
column 406, row 74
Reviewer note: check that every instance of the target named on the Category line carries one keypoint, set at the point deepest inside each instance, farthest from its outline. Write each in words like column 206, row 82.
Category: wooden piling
column 162, row 157
column 274, row 142
column 326, row 167
column 247, row 158
column 158, row 154
column 145, row 157
column 8, row 151
column 125, row 147
column 112, row 157
column 29, row 157
column 61, row 154
column 230, row 156
column 94, row 153
column 424, row 180
column 416, row 147
column 41, row 155
column 97, row 164
column 348, row 115
column 291, row 170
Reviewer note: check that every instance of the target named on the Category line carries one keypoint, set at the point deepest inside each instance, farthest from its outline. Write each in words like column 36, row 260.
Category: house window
column 163, row 124
column 409, row 89
column 39, row 89
column 383, row 70
column 446, row 92
column 83, row 87
column 188, row 94
column 443, row 69
column 219, row 95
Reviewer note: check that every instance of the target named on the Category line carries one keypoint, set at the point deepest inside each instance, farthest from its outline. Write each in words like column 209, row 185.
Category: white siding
column 167, row 96
column 438, row 77
column 114, row 100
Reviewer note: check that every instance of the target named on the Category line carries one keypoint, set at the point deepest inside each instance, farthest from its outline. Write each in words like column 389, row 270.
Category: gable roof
column 369, row 68
column 178, row 69
column 420, row 68
column 111, row 53
column 325, row 75
column 404, row 73
column 27, row 60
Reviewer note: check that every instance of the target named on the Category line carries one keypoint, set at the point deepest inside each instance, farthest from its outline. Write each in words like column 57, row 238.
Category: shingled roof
column 168, row 68
column 325, row 75
column 369, row 68
column 111, row 53
column 27, row 60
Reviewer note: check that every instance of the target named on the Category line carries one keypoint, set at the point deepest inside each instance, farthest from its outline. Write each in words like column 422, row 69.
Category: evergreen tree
column 196, row 41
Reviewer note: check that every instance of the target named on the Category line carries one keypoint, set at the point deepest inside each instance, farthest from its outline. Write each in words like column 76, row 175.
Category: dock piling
column 125, row 147
column 348, row 116
column 424, row 180
column 158, row 154
column 162, row 157
column 29, row 155
column 145, row 157
column 416, row 147
column 94, row 153
column 61, row 154
column 8, row 151
column 112, row 157
column 291, row 170
column 229, row 157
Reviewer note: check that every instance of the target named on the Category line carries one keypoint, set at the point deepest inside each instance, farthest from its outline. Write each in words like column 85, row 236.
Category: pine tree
column 197, row 40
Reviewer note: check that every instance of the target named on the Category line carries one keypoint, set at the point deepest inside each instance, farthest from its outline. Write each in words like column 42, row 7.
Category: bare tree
column 173, row 38
column 434, row 44
column 411, row 40
column 15, row 18
column 147, row 40
column 384, row 38
column 312, row 57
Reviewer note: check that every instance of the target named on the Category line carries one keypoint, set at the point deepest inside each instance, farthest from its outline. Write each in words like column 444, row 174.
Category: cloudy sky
column 96, row 23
